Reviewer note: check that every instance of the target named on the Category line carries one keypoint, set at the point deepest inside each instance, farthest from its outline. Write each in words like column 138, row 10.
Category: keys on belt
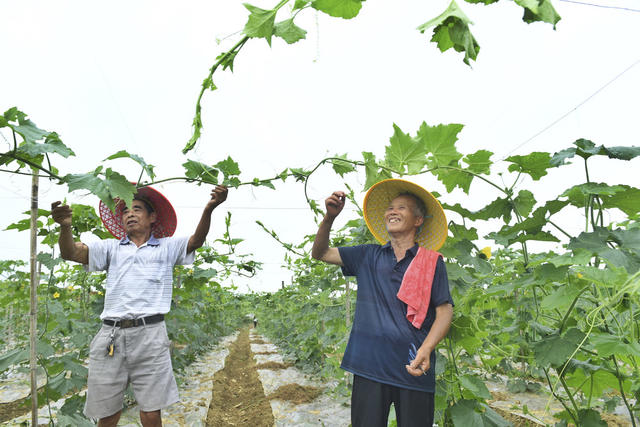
column 111, row 346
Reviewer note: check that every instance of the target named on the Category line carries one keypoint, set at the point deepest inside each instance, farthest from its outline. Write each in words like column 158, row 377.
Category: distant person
column 132, row 346
column 255, row 322
column 403, row 307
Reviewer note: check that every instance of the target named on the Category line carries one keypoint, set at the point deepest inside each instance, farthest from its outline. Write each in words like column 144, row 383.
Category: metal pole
column 33, row 314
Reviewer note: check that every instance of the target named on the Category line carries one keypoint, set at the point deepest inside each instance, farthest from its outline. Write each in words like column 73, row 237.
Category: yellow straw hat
column 434, row 229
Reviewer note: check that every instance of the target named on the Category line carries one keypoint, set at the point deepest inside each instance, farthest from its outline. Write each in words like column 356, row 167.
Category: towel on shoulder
column 415, row 290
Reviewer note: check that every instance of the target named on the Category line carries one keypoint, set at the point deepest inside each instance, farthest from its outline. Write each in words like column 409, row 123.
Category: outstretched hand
column 218, row 195
column 61, row 213
column 334, row 203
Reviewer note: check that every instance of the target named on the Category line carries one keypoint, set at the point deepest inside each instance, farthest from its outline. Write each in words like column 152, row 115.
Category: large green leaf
column 561, row 298
column 289, row 31
column 608, row 345
column 405, row 153
column 452, row 178
column 51, row 144
column 113, row 185
column 598, row 243
column 534, row 164
column 346, row 9
column 452, row 31
column 475, row 385
column 555, row 350
column 585, row 149
column 440, row 142
column 539, row 10
column 138, row 159
column 260, row 23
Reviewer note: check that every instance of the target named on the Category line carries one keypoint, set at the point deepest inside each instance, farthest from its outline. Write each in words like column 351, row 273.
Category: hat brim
column 166, row 219
column 433, row 232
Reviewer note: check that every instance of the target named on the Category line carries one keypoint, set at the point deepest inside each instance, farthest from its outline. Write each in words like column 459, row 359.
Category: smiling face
column 137, row 219
column 400, row 216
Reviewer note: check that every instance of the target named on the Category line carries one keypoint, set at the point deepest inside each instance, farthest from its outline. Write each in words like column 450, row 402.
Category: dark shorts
column 142, row 358
column 371, row 402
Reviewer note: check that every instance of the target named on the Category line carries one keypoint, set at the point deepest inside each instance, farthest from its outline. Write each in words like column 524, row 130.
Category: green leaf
column 524, row 202
column 534, row 164
column 590, row 418
column 405, row 153
column 555, row 350
column 561, row 298
column 13, row 357
column 597, row 243
column 539, row 10
column 112, row 186
column 260, row 23
column 628, row 200
column 125, row 154
column 479, row 162
column 373, row 172
column 471, row 413
column 440, row 142
column 608, row 344
column 346, row 9
column 289, row 31
column 27, row 129
column 300, row 4
column 452, row 178
column 452, row 31
column 228, row 167
column 340, row 167
column 51, row 144
column 475, row 385
column 197, row 170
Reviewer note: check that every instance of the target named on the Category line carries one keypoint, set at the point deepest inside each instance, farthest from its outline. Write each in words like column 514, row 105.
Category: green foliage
column 452, row 31
column 346, row 9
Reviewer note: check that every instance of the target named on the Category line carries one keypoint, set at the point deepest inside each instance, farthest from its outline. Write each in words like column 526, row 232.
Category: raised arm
column 321, row 249
column 218, row 195
column 69, row 249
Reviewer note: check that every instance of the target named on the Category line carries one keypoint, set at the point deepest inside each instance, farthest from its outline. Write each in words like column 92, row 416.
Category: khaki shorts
column 142, row 358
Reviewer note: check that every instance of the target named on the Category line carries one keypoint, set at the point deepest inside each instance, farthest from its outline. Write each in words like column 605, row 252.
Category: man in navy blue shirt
column 393, row 360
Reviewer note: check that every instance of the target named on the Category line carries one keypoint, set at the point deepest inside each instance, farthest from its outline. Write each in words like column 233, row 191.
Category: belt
column 132, row 323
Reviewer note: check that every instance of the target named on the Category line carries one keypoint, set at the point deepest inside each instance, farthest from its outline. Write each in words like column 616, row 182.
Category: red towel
column 415, row 290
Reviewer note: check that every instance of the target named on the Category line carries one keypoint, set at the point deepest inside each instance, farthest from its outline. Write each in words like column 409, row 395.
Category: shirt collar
column 151, row 242
column 412, row 250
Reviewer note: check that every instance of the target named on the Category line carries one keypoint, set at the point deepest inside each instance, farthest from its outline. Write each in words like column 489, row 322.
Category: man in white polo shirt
column 132, row 346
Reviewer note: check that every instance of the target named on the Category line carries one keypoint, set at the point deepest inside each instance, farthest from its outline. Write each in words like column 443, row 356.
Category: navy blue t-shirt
column 381, row 336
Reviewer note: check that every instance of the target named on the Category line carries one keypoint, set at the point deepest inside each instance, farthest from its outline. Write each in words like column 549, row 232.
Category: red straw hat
column 166, row 220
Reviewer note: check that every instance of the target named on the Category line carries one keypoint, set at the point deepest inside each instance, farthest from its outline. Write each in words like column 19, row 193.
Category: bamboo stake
column 33, row 315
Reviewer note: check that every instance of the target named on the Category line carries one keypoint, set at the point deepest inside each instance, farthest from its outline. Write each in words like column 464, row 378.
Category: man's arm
column 69, row 249
column 439, row 330
column 218, row 195
column 321, row 249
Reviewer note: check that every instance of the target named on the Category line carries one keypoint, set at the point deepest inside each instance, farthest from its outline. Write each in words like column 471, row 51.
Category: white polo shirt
column 139, row 279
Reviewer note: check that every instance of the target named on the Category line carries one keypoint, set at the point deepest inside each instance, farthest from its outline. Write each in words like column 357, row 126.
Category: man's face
column 137, row 219
column 400, row 217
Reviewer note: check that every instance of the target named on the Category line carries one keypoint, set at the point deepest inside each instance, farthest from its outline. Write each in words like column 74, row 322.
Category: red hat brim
column 166, row 219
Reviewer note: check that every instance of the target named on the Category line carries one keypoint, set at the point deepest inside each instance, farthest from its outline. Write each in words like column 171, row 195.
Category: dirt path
column 237, row 396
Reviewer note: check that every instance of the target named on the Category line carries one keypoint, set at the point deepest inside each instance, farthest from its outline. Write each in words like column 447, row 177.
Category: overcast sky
column 126, row 75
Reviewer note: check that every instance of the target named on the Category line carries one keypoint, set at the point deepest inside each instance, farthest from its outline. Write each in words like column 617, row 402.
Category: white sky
column 125, row 75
